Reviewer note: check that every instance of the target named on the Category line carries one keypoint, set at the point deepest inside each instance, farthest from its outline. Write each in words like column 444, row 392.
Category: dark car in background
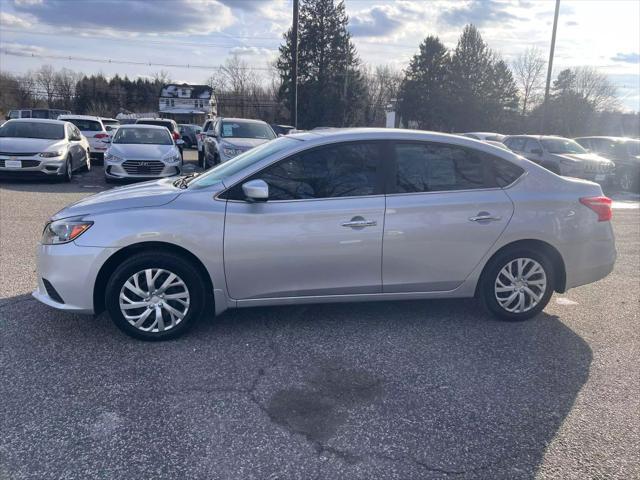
column 189, row 133
column 282, row 129
column 562, row 156
column 624, row 152
column 171, row 125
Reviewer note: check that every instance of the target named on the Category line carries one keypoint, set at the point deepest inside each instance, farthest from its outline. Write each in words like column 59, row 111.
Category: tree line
column 469, row 87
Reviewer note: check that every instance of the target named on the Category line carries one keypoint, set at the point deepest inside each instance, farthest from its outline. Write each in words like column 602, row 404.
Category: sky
column 196, row 36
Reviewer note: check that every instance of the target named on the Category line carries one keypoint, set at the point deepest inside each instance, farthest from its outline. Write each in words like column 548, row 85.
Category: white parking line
column 565, row 301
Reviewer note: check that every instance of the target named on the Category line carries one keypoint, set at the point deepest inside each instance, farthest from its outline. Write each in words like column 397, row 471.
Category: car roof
column 68, row 116
column 109, row 119
column 141, row 125
column 619, row 139
column 246, row 120
column 37, row 120
column 154, row 120
column 481, row 133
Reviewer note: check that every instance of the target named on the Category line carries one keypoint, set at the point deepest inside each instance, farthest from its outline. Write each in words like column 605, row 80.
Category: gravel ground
column 401, row 390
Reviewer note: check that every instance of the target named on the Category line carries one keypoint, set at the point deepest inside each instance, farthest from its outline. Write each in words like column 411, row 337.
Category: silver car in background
column 230, row 137
column 329, row 216
column 142, row 152
column 42, row 148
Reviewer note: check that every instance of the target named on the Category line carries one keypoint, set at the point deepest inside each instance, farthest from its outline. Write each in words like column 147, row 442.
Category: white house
column 186, row 103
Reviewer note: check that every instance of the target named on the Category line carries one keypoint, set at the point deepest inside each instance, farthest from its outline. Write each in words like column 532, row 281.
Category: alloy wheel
column 520, row 285
column 154, row 300
column 626, row 181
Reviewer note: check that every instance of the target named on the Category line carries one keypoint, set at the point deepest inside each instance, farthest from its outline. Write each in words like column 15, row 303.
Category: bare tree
column 65, row 87
column 382, row 85
column 46, row 80
column 528, row 70
column 595, row 88
column 162, row 77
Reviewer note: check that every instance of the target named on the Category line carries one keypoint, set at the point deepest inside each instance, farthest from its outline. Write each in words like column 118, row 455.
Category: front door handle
column 359, row 222
column 485, row 216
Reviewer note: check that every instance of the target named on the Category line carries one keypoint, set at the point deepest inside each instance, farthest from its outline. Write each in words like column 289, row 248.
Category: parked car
column 282, row 129
column 484, row 136
column 189, row 134
column 207, row 128
column 111, row 125
column 43, row 113
column 43, row 148
column 624, row 152
column 142, row 151
column 496, row 144
column 229, row 137
column 563, row 157
column 94, row 129
column 335, row 216
column 169, row 124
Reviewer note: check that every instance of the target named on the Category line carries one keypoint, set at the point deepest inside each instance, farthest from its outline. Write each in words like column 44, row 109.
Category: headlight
column 172, row 157
column 111, row 158
column 64, row 231
column 57, row 153
column 231, row 152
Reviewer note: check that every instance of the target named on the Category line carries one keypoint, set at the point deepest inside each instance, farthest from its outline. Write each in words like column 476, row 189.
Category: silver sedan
column 329, row 216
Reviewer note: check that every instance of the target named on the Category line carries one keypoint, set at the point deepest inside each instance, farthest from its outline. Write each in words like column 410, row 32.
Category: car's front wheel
column 68, row 170
column 517, row 284
column 155, row 296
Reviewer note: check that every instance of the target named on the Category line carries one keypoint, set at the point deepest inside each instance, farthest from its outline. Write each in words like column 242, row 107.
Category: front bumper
column 116, row 171
column 71, row 271
column 32, row 166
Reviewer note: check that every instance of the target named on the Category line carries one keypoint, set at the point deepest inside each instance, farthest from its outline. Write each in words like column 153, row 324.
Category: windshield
column 233, row 166
column 246, row 130
column 143, row 136
column 48, row 131
column 634, row 147
column 562, row 145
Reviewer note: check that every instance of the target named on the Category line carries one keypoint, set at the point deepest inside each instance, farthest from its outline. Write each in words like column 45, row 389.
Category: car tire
column 87, row 166
column 496, row 288
column 162, row 265
column 201, row 162
column 627, row 181
column 68, row 171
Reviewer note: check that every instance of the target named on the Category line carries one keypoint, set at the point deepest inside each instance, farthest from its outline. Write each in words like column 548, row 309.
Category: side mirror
column 256, row 190
column 536, row 151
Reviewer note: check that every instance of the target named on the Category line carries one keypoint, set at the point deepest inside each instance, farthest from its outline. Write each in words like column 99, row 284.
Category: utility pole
column 543, row 118
column 294, row 70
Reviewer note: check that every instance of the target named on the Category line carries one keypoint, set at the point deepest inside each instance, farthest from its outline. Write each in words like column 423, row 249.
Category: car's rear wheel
column 517, row 284
column 155, row 296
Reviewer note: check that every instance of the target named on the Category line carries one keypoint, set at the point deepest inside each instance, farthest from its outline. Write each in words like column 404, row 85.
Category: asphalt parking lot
column 401, row 390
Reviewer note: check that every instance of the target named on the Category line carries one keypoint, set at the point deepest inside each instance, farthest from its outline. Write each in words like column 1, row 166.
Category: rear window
column 159, row 123
column 85, row 125
column 48, row 131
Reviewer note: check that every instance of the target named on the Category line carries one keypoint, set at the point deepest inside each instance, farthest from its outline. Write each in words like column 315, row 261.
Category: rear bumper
column 591, row 260
column 71, row 271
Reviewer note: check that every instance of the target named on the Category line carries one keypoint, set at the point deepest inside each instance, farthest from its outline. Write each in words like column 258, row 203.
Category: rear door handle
column 484, row 216
column 359, row 222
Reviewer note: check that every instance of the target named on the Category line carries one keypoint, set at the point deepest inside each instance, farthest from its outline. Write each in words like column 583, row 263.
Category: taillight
column 600, row 205
column 176, row 136
column 101, row 135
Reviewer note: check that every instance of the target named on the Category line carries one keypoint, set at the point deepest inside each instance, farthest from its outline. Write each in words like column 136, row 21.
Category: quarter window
column 438, row 167
column 345, row 170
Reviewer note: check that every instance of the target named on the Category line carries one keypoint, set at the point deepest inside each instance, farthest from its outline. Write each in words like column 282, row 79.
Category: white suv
column 94, row 129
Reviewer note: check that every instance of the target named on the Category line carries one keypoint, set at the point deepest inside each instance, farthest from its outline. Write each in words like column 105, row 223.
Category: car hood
column 140, row 152
column 244, row 142
column 581, row 157
column 148, row 194
column 28, row 145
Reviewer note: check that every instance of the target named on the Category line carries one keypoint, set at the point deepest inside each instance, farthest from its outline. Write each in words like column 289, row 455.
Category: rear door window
column 516, row 144
column 433, row 167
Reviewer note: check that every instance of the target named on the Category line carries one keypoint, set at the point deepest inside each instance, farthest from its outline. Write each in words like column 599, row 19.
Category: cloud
column 246, row 5
column 252, row 51
column 626, row 57
column 131, row 16
column 22, row 50
column 477, row 12
column 378, row 21
column 8, row 20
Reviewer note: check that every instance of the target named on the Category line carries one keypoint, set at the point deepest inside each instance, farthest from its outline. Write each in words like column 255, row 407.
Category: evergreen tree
column 331, row 90
column 424, row 93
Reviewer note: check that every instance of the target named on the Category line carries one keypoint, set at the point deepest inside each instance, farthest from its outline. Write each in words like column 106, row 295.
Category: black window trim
column 488, row 170
column 385, row 152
